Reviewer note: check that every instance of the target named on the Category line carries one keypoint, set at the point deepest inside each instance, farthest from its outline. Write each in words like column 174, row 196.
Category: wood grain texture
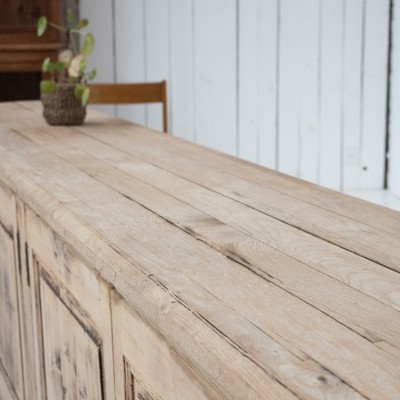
column 250, row 304
column 231, row 296
column 251, row 186
column 81, row 299
column 370, row 214
column 71, row 355
column 32, row 381
column 231, row 242
column 10, row 331
column 6, row 390
column 150, row 360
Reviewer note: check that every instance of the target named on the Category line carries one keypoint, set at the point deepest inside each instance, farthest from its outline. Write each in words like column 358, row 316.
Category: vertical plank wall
column 100, row 14
column 295, row 85
column 394, row 127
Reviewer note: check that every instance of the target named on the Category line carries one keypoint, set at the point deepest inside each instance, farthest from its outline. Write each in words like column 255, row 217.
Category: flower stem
column 57, row 27
column 74, row 44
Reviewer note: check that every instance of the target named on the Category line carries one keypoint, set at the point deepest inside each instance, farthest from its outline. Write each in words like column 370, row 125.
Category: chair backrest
column 131, row 93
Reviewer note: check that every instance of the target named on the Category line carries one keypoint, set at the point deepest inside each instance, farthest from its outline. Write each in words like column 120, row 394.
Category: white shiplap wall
column 296, row 85
column 394, row 127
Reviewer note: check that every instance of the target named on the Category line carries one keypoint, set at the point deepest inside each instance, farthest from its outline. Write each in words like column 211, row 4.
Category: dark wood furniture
column 21, row 50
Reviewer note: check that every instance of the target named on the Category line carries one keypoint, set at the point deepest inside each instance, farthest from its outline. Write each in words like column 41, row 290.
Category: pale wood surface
column 71, row 355
column 149, row 360
column 264, row 286
column 6, row 390
column 10, row 331
column 74, row 317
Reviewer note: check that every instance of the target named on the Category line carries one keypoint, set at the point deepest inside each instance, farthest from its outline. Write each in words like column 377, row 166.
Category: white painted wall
column 100, row 14
column 394, row 127
column 296, row 85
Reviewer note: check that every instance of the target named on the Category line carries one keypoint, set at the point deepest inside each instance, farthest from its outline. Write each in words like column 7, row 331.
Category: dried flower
column 75, row 67
column 65, row 57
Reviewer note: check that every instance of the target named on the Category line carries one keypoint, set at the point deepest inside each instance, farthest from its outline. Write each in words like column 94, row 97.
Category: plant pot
column 62, row 107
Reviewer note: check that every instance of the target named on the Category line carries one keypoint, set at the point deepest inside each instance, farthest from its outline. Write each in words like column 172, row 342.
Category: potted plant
column 65, row 93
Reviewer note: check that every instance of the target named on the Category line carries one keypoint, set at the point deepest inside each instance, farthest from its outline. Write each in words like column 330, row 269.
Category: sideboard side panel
column 10, row 330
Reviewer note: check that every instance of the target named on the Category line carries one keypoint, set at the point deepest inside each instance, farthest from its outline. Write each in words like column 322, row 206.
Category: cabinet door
column 134, row 388
column 145, row 367
column 71, row 346
column 10, row 333
column 73, row 319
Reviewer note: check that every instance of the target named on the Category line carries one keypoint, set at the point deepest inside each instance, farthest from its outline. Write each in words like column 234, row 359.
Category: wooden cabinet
column 80, row 334
column 73, row 319
column 21, row 51
column 65, row 333
column 20, row 47
column 134, row 268
column 10, row 332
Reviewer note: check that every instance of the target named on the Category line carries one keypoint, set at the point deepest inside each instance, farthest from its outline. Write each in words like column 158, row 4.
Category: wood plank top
column 267, row 286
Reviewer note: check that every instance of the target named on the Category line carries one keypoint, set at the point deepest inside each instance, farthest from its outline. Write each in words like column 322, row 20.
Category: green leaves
column 82, row 92
column 41, row 26
column 83, row 23
column 88, row 44
column 85, row 96
column 71, row 64
column 79, row 90
column 46, row 65
column 82, row 66
column 50, row 67
column 47, row 86
column 92, row 74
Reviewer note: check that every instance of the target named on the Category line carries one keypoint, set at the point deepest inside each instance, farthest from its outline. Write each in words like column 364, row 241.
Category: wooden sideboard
column 138, row 266
column 21, row 51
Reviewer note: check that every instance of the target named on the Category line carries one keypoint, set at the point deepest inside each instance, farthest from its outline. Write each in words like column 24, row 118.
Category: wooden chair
column 131, row 93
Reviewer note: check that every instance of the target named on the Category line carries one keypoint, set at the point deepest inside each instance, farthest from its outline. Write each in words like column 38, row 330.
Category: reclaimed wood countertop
column 267, row 286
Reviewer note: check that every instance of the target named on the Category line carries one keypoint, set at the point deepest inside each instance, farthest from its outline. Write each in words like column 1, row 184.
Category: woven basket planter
column 62, row 107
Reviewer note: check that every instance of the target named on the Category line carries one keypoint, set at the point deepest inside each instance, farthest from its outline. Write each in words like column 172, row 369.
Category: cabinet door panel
column 73, row 321
column 10, row 342
column 72, row 352
column 134, row 388
column 145, row 367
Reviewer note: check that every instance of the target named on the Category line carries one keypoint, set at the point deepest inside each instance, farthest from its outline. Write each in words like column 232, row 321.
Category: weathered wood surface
column 10, row 307
column 266, row 286
column 74, row 318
